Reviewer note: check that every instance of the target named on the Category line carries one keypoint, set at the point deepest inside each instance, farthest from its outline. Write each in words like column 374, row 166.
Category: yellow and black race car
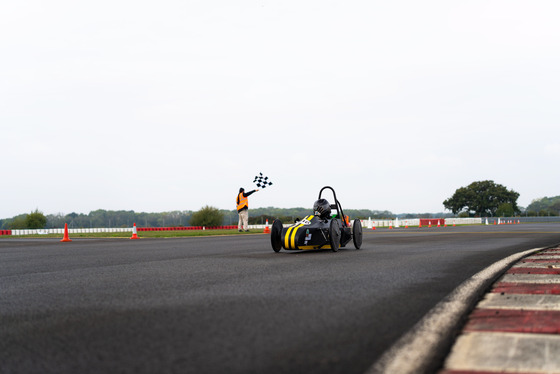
column 320, row 230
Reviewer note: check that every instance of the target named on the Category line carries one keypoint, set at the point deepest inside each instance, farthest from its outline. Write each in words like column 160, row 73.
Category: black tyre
column 357, row 234
column 276, row 235
column 334, row 235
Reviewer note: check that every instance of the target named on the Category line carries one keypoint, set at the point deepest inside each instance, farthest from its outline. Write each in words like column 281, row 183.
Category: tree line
column 102, row 218
column 207, row 216
column 545, row 206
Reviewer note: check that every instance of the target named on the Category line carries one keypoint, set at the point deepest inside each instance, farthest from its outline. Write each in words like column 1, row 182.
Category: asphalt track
column 230, row 304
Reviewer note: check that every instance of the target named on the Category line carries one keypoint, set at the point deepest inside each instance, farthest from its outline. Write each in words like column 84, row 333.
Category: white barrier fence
column 365, row 223
column 416, row 222
column 70, row 231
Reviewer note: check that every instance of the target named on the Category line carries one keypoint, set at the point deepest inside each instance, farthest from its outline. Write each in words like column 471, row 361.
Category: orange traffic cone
column 266, row 228
column 391, row 225
column 66, row 238
column 134, row 233
column 373, row 225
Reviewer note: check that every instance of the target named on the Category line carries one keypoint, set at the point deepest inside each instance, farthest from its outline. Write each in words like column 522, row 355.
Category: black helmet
column 323, row 208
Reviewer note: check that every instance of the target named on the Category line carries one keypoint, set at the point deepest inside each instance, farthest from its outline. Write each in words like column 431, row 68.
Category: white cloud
column 174, row 105
column 552, row 149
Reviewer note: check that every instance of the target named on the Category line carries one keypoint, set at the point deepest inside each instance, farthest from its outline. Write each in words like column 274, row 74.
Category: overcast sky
column 167, row 105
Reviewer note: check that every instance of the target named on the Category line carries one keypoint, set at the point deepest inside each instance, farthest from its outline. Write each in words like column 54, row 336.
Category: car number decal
column 290, row 238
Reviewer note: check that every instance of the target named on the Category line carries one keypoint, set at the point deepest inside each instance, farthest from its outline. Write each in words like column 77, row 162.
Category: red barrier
column 179, row 228
column 432, row 221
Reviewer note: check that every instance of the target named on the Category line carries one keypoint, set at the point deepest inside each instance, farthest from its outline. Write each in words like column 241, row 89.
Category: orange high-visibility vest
column 242, row 202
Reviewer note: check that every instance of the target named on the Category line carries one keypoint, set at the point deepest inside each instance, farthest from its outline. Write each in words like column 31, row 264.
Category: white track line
column 531, row 278
column 505, row 353
column 520, row 302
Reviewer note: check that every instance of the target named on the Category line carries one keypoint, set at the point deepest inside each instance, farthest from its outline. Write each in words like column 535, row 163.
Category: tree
column 35, row 220
column 481, row 198
column 207, row 216
column 546, row 205
column 18, row 222
column 505, row 210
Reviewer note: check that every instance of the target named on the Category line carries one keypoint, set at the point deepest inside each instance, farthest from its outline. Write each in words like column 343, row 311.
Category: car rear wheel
column 334, row 235
column 357, row 234
column 276, row 235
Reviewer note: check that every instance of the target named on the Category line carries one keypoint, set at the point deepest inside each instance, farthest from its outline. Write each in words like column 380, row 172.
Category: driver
column 322, row 208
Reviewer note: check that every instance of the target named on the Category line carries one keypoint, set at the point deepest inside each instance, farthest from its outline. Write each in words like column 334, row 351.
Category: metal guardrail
column 533, row 219
column 369, row 223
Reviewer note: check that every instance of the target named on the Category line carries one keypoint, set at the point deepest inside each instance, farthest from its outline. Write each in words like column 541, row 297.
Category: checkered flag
column 261, row 181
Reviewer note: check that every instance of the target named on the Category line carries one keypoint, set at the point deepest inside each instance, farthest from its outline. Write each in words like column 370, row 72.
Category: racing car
column 327, row 227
